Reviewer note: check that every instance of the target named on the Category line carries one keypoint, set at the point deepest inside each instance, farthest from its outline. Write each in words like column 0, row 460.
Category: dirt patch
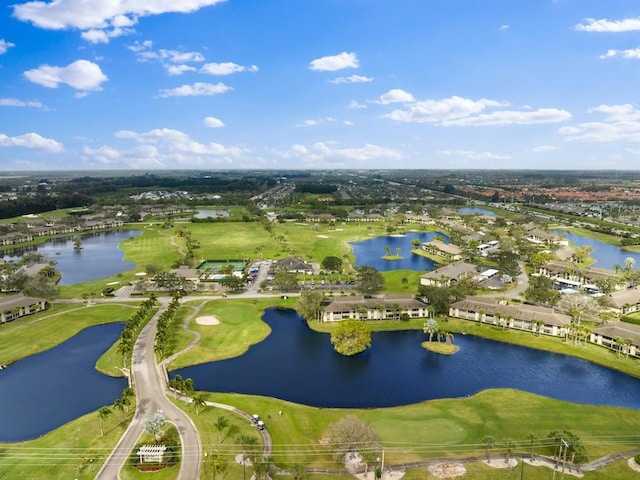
column 207, row 320
column 447, row 470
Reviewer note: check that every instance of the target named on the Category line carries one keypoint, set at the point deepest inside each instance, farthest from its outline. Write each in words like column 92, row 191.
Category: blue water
column 606, row 255
column 47, row 390
column 99, row 256
column 299, row 365
column 370, row 252
column 473, row 210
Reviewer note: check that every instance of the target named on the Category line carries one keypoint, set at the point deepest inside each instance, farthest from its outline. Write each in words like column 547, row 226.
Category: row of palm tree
column 164, row 336
column 122, row 404
column 132, row 328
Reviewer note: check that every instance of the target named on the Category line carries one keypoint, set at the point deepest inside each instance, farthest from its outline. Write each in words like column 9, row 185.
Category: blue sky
column 226, row 84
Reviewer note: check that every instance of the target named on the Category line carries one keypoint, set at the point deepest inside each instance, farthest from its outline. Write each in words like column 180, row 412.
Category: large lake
column 99, row 257
column 299, row 365
column 40, row 393
column 370, row 252
column 606, row 255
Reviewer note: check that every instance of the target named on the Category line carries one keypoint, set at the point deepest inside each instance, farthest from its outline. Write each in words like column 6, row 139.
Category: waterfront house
column 373, row 308
column 447, row 251
column 444, row 276
column 619, row 336
column 16, row 306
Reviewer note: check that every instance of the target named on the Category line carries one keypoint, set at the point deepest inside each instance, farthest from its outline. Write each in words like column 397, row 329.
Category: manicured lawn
column 74, row 451
column 240, row 327
column 39, row 332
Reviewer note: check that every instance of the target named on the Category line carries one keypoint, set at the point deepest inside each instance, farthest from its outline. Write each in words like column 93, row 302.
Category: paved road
column 149, row 384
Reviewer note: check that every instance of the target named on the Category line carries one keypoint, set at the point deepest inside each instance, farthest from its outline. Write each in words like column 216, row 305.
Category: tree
column 103, row 413
column 350, row 434
column 309, row 304
column 540, row 290
column 198, row 401
column 285, row 280
column 439, row 298
column 332, row 263
column 489, row 443
column 221, row 424
column 387, row 250
column 233, row 283
column 415, row 243
column 351, row 337
column 370, row 280
column 507, row 261
column 298, row 470
column 430, row 327
column 154, row 425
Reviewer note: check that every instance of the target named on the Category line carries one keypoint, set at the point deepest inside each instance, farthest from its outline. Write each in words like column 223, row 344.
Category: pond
column 99, row 257
column 398, row 371
column 476, row 210
column 606, row 255
column 40, row 393
column 206, row 213
column 370, row 252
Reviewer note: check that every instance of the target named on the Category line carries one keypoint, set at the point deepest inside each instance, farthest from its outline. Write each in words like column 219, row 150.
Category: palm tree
column 298, row 470
column 119, row 404
column 508, row 446
column 398, row 250
column 532, row 442
column 489, row 443
column 387, row 250
column 448, row 336
column 430, row 327
column 220, row 425
column 198, row 400
column 103, row 413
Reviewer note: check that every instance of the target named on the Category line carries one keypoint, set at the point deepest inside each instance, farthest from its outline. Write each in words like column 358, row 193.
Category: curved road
column 149, row 385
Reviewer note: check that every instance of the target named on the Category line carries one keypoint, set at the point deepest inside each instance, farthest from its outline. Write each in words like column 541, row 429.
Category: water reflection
column 299, row 365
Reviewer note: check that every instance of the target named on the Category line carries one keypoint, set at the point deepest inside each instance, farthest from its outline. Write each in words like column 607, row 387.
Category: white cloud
column 512, row 117
column 505, row 27
column 112, row 17
column 4, row 46
column 395, row 95
column 14, row 102
column 332, row 63
column 473, row 155
column 163, row 148
column 621, row 123
column 175, row 62
column 605, row 25
column 213, row 122
column 195, row 90
column 633, row 53
column 326, row 154
column 316, row 122
column 458, row 111
column 33, row 141
column 544, row 148
column 355, row 104
column 81, row 75
column 352, row 79
column 226, row 68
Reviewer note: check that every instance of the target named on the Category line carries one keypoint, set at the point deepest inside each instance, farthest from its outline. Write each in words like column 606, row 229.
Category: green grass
column 44, row 330
column 75, row 450
column 240, row 327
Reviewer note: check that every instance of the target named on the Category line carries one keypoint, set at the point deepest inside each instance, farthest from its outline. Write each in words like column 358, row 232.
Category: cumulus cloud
column 458, row 111
column 226, row 68
column 606, row 25
column 473, row 155
column 100, row 20
column 14, row 102
column 81, row 75
column 332, row 63
column 620, row 123
column 163, row 148
column 355, row 104
column 33, row 141
column 197, row 89
column 322, row 154
column 504, row 27
column 213, row 122
column 175, row 62
column 544, row 148
column 4, row 46
column 315, row 122
column 632, row 53
column 352, row 79
column 395, row 95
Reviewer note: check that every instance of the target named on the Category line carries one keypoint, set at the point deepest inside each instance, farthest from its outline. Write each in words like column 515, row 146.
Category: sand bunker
column 447, row 470
column 501, row 463
column 322, row 236
column 207, row 320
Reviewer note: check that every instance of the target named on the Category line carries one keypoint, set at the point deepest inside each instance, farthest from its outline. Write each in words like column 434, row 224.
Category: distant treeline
column 216, row 184
column 39, row 203
column 317, row 188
